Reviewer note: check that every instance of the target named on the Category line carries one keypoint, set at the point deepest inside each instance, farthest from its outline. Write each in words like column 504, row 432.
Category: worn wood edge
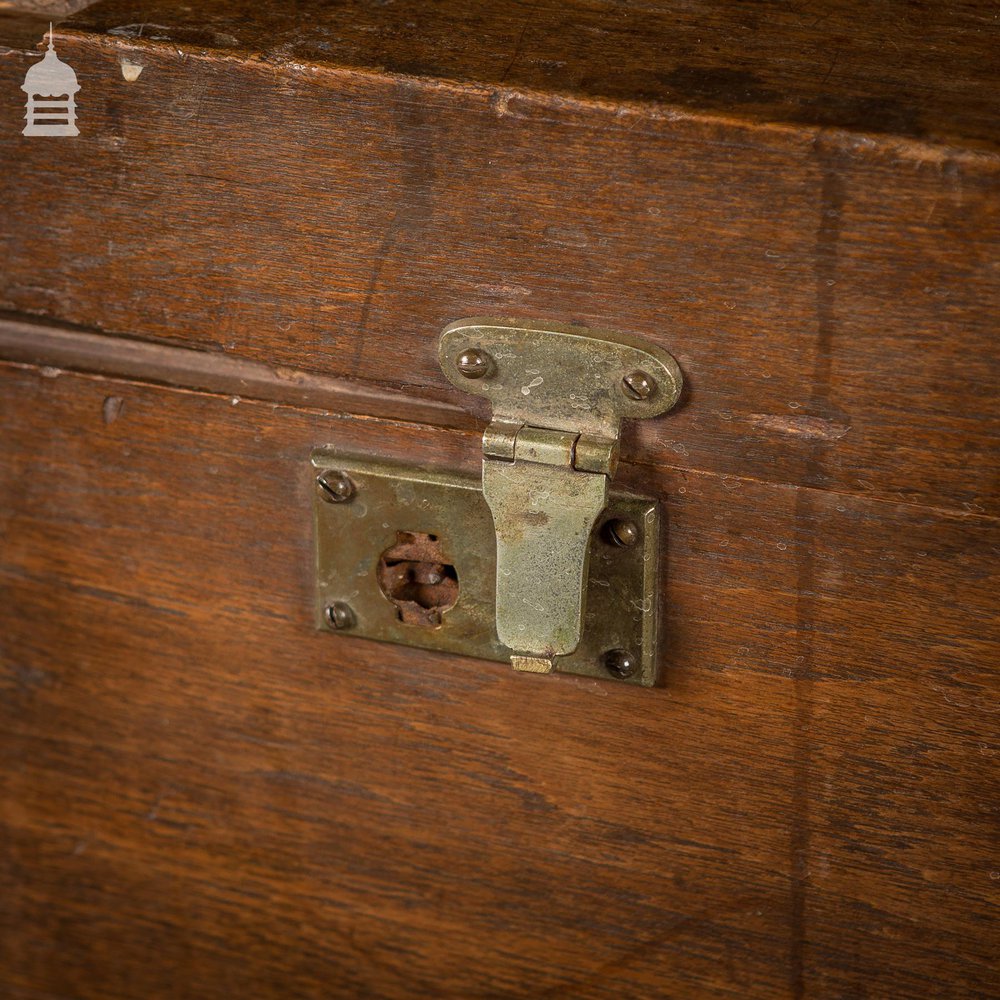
column 49, row 346
column 114, row 359
column 858, row 142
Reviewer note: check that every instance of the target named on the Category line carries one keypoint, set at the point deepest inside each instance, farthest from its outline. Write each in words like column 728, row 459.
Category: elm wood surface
column 202, row 796
column 831, row 295
column 20, row 30
column 28, row 340
column 924, row 70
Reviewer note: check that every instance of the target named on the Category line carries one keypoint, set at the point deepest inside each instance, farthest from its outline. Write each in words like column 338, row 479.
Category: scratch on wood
column 805, row 427
column 112, row 408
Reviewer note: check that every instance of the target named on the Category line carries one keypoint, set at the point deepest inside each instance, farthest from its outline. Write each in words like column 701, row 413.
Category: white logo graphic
column 50, row 78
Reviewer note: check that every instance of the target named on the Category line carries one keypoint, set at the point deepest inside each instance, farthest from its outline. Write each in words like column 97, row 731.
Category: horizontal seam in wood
column 475, row 434
column 45, row 345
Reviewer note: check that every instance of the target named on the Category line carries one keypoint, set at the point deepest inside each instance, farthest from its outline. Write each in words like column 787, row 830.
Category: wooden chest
column 270, row 213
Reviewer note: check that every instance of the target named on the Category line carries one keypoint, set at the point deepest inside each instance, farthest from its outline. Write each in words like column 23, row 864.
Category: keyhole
column 416, row 577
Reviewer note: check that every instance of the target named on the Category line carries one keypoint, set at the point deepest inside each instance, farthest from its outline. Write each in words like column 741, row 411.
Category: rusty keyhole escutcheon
column 416, row 577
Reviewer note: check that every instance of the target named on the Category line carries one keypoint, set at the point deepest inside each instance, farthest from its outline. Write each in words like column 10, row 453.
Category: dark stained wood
column 826, row 280
column 20, row 29
column 77, row 350
column 922, row 70
column 202, row 796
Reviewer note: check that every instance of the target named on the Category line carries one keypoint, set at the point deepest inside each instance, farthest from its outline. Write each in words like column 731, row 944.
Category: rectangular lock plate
column 395, row 541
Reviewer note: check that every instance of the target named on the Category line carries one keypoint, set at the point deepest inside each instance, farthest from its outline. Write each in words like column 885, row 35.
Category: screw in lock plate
column 473, row 363
column 335, row 487
column 521, row 535
column 639, row 385
column 339, row 615
column 621, row 532
column 620, row 663
column 415, row 599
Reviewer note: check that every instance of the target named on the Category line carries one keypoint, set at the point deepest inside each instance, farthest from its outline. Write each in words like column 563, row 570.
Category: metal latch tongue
column 558, row 396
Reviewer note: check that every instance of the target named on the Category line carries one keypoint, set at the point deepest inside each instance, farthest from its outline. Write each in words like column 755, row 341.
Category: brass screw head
column 622, row 532
column 335, row 487
column 473, row 363
column 639, row 385
column 620, row 663
column 339, row 615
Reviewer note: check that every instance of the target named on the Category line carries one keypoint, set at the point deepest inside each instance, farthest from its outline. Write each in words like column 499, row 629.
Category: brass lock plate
column 408, row 555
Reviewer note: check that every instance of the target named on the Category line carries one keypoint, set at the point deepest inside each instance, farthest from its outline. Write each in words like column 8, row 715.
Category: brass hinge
column 558, row 395
column 513, row 442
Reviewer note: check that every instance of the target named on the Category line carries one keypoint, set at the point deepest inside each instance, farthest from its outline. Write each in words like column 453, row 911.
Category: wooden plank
column 922, row 70
column 199, row 794
column 831, row 297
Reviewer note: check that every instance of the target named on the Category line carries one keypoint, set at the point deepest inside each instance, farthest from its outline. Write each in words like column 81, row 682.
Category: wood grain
column 202, row 796
column 921, row 70
column 830, row 295
column 45, row 345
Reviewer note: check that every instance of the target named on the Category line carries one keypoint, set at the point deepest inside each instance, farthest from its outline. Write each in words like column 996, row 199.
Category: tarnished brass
column 440, row 521
column 558, row 396
column 543, row 517
column 562, row 377
column 532, row 664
